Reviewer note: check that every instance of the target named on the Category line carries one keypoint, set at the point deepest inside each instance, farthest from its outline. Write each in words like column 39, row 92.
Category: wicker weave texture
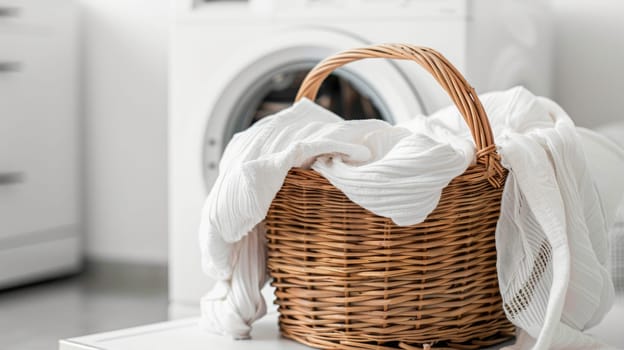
column 346, row 278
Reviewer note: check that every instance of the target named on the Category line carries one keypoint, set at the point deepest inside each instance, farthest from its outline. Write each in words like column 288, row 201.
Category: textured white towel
column 551, row 213
column 364, row 158
column 551, row 229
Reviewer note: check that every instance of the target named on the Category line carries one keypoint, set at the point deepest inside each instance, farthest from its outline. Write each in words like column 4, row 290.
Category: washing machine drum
column 345, row 97
column 354, row 92
column 342, row 92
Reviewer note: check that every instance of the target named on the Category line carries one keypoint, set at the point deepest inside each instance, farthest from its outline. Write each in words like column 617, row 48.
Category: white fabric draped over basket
column 551, row 237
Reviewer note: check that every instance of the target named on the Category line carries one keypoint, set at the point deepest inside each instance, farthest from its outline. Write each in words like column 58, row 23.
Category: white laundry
column 253, row 168
column 551, row 237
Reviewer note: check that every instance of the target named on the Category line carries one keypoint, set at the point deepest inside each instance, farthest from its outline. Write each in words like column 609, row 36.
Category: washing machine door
column 267, row 76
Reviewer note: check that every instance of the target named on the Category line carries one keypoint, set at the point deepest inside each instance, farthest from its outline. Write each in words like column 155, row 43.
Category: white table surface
column 185, row 334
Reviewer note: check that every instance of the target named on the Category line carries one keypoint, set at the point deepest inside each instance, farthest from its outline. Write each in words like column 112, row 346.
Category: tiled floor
column 106, row 297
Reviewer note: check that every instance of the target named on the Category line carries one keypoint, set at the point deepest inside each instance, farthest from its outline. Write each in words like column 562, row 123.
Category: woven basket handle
column 462, row 94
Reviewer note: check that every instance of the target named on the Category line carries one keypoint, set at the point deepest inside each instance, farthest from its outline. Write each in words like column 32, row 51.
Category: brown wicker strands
column 346, row 278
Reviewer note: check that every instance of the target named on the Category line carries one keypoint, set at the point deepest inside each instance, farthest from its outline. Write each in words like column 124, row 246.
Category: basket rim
column 448, row 77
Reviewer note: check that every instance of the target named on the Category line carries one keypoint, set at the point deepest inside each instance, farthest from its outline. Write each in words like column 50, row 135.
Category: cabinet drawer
column 34, row 17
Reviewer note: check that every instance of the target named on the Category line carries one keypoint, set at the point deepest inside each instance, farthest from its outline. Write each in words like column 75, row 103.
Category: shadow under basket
column 346, row 278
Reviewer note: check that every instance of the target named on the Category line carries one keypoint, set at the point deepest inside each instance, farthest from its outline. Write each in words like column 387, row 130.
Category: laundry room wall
column 589, row 56
column 124, row 79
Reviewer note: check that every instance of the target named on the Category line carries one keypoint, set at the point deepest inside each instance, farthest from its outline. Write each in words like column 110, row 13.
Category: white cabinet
column 39, row 156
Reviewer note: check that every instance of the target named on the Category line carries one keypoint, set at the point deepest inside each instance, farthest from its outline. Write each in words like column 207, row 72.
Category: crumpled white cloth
column 551, row 237
column 552, row 212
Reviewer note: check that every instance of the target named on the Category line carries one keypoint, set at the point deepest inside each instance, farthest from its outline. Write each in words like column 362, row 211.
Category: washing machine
column 234, row 62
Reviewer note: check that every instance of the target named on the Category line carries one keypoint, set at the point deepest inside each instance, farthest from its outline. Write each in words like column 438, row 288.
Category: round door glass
column 342, row 93
column 254, row 95
column 337, row 94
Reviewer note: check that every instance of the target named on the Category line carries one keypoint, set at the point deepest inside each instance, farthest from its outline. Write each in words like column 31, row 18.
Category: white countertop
column 185, row 334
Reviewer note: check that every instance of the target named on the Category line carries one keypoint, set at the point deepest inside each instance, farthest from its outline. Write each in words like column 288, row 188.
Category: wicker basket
column 346, row 278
